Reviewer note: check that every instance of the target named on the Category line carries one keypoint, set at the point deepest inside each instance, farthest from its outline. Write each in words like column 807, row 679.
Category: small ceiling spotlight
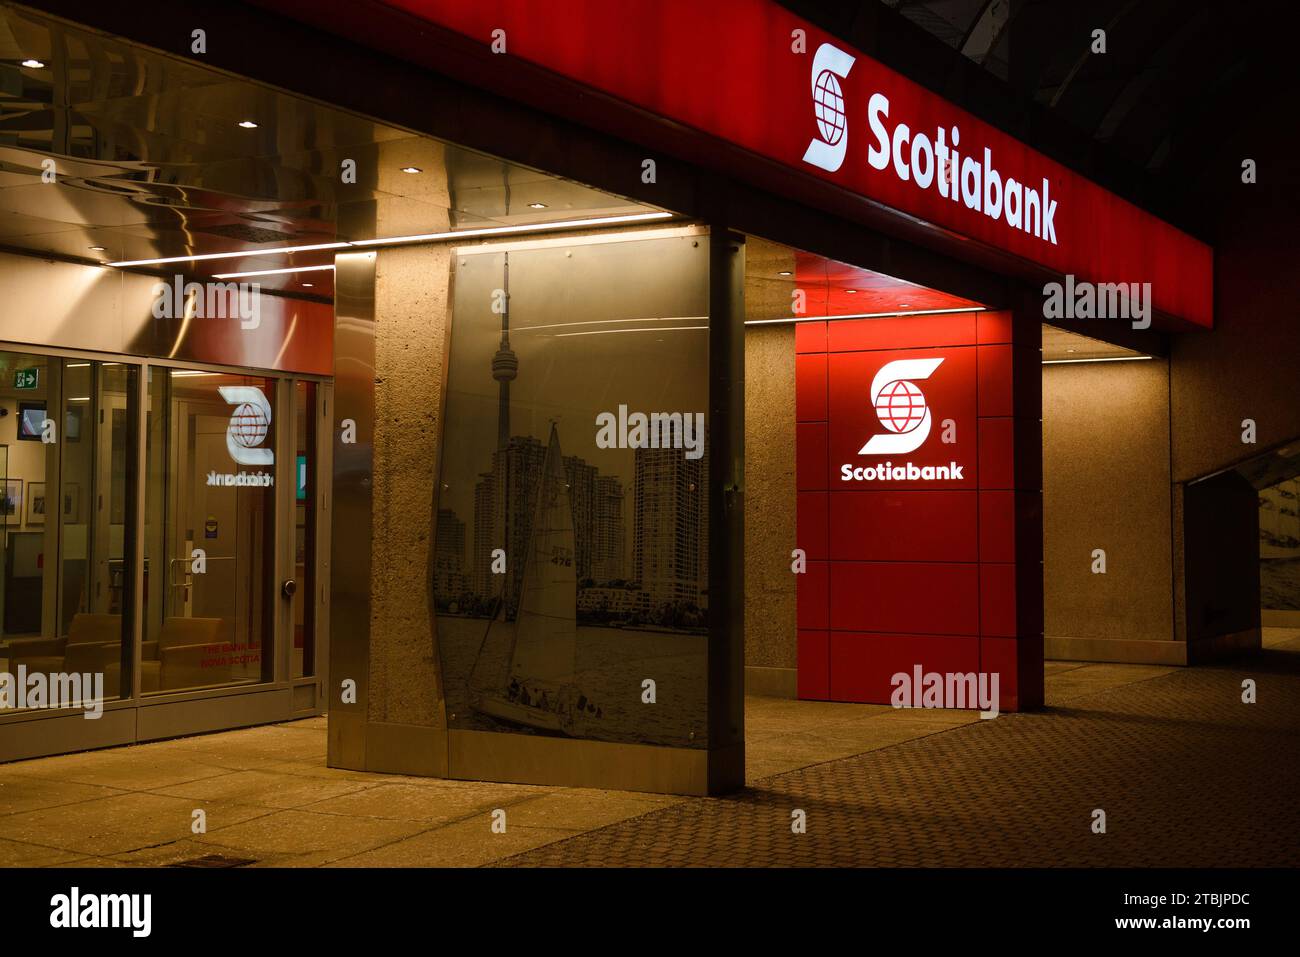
column 248, row 124
column 306, row 285
column 96, row 249
column 904, row 305
column 412, row 169
column 785, row 272
column 851, row 292
column 536, row 205
column 33, row 64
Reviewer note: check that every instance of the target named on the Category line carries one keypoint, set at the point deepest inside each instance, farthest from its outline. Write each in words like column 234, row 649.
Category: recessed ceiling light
column 306, row 285
column 412, row 169
column 248, row 124
column 903, row 305
column 33, row 64
column 785, row 272
column 96, row 249
column 1069, row 350
column 536, row 205
column 851, row 291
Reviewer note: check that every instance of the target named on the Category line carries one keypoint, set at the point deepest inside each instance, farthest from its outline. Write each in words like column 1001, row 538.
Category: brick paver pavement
column 1186, row 773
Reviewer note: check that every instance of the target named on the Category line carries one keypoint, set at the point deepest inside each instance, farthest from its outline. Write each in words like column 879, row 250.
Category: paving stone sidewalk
column 1185, row 772
column 1187, row 775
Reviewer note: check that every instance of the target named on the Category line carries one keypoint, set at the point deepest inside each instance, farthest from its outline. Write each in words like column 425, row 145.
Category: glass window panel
column 571, row 561
column 68, row 441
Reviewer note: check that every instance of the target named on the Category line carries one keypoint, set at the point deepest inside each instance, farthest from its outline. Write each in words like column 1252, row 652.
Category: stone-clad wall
column 411, row 307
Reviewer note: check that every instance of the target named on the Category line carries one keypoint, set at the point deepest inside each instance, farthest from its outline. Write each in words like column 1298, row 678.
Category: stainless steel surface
column 726, row 513
column 152, row 162
column 350, row 550
column 78, row 306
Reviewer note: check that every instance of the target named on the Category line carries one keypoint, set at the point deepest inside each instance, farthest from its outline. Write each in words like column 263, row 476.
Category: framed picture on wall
column 30, row 417
column 11, row 501
column 71, row 503
column 36, row 503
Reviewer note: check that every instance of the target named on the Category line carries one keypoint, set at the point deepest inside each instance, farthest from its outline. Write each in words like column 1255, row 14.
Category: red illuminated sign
column 896, row 418
column 735, row 69
column 916, row 473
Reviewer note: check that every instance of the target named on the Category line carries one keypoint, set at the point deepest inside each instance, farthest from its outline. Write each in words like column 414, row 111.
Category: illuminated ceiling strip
column 605, row 332
column 280, row 250
column 1057, row 362
column 271, row 272
column 865, row 315
column 510, row 230
column 606, row 322
column 456, row 234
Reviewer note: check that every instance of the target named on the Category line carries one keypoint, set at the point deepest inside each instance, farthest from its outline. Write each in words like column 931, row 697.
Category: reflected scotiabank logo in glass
column 249, row 424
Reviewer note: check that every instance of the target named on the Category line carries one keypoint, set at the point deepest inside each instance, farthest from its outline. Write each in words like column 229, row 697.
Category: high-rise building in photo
column 449, row 579
column 581, row 479
column 608, row 534
column 668, row 526
column 504, row 502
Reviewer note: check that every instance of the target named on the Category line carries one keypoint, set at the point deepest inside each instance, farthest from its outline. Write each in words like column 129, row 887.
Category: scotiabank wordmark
column 936, row 163
column 908, row 472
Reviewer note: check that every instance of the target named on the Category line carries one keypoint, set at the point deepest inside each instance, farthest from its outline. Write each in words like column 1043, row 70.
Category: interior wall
column 1107, row 485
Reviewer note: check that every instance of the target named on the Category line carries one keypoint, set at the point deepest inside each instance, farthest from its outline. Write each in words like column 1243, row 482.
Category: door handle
column 288, row 588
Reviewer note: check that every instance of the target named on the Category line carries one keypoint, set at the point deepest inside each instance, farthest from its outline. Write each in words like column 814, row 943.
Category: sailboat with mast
column 538, row 686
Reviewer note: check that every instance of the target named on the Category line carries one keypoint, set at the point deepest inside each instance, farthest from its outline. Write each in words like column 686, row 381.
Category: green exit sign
column 26, row 378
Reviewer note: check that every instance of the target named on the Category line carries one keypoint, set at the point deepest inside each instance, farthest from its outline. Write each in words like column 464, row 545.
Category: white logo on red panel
column 900, row 406
column 830, row 65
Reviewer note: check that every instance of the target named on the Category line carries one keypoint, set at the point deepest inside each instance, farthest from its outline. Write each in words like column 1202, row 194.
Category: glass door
column 211, row 609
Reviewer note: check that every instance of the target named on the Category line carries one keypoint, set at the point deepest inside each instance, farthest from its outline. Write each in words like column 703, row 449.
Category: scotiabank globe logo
column 830, row 65
column 249, row 424
column 828, row 103
column 900, row 405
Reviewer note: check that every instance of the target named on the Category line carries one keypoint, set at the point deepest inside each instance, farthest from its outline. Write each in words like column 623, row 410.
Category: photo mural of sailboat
column 538, row 688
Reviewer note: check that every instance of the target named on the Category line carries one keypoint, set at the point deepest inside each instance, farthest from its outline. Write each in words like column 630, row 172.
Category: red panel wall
column 940, row 571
